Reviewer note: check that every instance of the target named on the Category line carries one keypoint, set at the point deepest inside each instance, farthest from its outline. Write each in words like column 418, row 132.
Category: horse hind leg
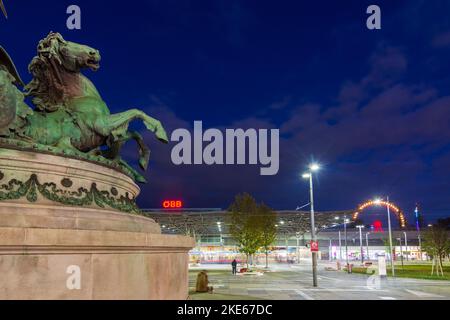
column 144, row 151
column 136, row 175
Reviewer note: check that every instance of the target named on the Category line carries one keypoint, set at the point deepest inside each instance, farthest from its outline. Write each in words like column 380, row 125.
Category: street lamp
column 406, row 246
column 309, row 175
column 330, row 251
column 340, row 245
column 367, row 245
column 401, row 250
column 360, row 242
column 346, row 246
column 339, row 237
column 378, row 202
column 420, row 247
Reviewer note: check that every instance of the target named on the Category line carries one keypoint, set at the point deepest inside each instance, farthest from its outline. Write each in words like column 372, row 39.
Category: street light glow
column 306, row 175
column 314, row 167
column 377, row 201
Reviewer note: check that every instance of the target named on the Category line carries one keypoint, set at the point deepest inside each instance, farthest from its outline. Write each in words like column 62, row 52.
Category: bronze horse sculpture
column 69, row 114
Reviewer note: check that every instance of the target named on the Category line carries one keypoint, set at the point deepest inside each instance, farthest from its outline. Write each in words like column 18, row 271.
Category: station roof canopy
column 207, row 221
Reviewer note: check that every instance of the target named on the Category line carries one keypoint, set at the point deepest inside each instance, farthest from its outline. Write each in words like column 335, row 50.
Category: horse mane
column 46, row 88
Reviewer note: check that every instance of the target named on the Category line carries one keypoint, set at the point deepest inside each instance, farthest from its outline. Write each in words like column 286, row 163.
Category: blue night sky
column 372, row 106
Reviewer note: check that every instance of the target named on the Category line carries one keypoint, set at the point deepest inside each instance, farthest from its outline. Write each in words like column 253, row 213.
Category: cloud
column 387, row 65
column 374, row 138
column 281, row 104
column 441, row 40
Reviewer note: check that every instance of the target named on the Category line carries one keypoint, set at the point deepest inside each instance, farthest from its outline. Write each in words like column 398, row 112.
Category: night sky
column 373, row 107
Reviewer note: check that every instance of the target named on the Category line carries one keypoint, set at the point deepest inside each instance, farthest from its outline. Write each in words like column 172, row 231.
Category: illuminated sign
column 172, row 204
column 378, row 226
column 314, row 246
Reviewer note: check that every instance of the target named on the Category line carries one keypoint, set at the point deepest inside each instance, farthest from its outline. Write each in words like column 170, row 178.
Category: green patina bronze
column 69, row 116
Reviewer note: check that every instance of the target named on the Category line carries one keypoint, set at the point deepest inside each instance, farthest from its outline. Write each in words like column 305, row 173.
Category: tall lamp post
column 391, row 255
column 330, row 251
column 340, row 243
column 340, row 246
column 406, row 246
column 420, row 247
column 367, row 245
column 360, row 242
column 346, row 246
column 401, row 250
column 309, row 175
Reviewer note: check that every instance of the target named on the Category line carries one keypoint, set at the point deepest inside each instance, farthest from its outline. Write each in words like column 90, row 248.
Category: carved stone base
column 65, row 222
column 119, row 256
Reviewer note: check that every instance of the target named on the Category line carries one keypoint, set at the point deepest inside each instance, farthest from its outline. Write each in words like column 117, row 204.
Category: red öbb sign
column 172, row 204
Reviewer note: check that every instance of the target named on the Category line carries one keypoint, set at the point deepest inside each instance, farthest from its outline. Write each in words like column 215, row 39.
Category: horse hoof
column 143, row 163
column 162, row 135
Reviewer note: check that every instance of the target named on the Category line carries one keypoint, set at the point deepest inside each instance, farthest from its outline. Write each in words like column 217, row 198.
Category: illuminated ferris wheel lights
column 378, row 201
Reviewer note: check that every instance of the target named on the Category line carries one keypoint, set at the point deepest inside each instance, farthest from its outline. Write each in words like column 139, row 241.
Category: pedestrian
column 234, row 266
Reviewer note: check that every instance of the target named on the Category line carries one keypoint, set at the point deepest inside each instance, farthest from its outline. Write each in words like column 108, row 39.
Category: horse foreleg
column 117, row 124
column 155, row 126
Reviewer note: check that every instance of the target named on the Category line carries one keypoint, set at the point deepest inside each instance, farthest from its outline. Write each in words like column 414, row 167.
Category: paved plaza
column 293, row 282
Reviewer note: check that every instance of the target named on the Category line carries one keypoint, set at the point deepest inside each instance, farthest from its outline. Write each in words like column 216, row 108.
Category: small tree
column 268, row 219
column 245, row 224
column 437, row 244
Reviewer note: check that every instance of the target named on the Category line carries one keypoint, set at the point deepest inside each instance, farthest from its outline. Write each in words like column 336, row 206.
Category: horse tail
column 8, row 64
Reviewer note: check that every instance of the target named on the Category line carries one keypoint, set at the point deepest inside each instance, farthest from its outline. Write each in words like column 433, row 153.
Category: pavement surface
column 294, row 282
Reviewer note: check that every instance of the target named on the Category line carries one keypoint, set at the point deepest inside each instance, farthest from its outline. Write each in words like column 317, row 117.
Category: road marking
column 329, row 278
column 388, row 298
column 422, row 294
column 353, row 290
column 304, row 295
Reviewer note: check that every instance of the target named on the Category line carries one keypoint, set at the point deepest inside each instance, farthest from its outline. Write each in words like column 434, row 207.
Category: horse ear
column 6, row 61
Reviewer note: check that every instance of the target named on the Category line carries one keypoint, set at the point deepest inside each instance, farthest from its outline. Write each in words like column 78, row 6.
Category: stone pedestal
column 52, row 250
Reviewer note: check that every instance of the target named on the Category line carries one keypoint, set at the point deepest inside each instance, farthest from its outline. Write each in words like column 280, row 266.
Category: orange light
column 390, row 205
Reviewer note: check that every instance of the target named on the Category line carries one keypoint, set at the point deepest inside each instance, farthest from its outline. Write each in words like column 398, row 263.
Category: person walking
column 234, row 266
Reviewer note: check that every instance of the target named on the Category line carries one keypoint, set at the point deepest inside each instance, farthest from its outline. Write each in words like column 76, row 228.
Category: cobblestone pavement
column 290, row 282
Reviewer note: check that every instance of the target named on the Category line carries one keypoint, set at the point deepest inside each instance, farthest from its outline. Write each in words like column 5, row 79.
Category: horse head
column 70, row 55
column 53, row 68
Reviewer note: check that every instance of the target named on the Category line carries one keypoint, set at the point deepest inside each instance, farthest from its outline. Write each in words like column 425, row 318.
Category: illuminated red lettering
column 172, row 204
